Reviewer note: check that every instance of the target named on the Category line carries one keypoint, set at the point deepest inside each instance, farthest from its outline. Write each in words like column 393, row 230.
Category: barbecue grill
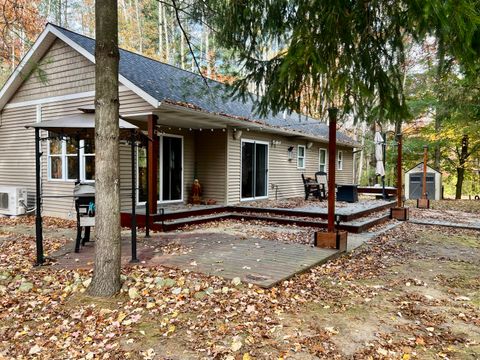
column 84, row 194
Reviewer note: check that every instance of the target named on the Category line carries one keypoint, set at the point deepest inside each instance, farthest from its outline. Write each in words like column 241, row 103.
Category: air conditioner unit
column 13, row 200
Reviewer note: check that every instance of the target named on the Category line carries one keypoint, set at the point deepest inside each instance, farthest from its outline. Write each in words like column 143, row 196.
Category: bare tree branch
column 187, row 39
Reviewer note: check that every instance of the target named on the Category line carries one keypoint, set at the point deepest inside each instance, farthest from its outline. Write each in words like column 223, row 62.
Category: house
column 198, row 132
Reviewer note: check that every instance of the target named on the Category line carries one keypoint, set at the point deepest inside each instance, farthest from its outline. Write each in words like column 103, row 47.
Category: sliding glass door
column 171, row 168
column 254, row 169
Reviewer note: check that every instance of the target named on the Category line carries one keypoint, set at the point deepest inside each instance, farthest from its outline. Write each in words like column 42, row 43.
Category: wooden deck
column 353, row 217
column 261, row 262
column 256, row 261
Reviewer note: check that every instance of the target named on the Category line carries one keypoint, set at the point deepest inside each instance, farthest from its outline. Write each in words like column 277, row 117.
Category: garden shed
column 414, row 179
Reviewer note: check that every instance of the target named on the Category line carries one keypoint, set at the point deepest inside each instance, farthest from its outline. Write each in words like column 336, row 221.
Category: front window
column 63, row 159
column 322, row 160
column 301, row 157
column 55, row 159
column 88, row 159
column 71, row 159
column 340, row 160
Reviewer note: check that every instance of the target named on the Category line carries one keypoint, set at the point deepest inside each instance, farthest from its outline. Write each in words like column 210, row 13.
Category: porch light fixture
column 290, row 153
column 309, row 145
column 237, row 134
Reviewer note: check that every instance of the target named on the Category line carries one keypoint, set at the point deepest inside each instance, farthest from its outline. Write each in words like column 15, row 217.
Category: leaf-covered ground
column 468, row 206
column 412, row 293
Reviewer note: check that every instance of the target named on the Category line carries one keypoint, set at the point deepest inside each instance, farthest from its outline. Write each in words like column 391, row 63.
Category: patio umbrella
column 379, row 169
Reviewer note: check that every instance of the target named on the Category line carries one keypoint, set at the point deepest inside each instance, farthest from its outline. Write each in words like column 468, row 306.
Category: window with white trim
column 301, row 157
column 71, row 159
column 322, row 160
column 63, row 160
column 340, row 160
column 55, row 159
column 88, row 155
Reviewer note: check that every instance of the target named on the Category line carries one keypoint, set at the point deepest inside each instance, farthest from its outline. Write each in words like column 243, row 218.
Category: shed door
column 416, row 186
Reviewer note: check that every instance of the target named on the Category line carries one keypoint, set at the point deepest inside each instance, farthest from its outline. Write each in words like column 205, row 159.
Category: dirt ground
column 411, row 293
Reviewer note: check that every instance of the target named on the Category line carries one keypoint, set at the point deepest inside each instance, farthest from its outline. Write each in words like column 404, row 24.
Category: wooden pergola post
column 399, row 171
column 400, row 212
column 332, row 153
column 333, row 238
column 38, row 201
column 423, row 202
column 153, row 154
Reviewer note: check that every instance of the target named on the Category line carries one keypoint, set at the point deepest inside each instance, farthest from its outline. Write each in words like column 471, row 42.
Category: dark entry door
column 254, row 170
column 171, row 154
column 416, row 186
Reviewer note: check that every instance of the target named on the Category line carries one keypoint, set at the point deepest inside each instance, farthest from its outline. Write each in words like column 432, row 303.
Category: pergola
column 81, row 126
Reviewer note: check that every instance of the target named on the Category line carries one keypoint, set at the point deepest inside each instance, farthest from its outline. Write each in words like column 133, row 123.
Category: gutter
column 238, row 121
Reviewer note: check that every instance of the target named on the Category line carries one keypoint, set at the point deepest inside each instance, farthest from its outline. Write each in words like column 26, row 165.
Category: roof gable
column 419, row 168
column 157, row 82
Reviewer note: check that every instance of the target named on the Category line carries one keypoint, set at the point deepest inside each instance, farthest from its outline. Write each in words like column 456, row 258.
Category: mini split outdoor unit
column 13, row 200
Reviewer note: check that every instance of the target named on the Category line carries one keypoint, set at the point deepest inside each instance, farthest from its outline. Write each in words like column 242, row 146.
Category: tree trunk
column 59, row 13
column 362, row 154
column 139, row 26
column 461, row 168
column 182, row 50
column 438, row 108
column 65, row 13
column 459, row 184
column 207, row 50
column 165, row 31
column 106, row 274
column 160, row 32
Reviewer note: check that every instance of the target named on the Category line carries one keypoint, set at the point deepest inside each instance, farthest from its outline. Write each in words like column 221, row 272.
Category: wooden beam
column 399, row 171
column 424, row 181
column 332, row 155
column 153, row 154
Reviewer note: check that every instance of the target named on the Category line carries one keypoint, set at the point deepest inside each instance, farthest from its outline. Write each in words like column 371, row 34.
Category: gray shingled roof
column 168, row 83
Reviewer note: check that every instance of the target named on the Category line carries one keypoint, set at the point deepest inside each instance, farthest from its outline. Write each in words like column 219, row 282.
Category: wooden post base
column 332, row 240
column 423, row 203
column 399, row 213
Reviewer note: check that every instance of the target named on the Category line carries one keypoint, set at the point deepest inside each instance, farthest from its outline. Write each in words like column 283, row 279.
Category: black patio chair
column 311, row 187
column 322, row 180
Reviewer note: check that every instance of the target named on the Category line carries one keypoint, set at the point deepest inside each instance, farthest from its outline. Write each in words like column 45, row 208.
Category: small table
column 347, row 192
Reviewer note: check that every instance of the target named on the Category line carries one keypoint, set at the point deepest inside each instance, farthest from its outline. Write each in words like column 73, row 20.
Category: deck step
column 173, row 224
column 355, row 226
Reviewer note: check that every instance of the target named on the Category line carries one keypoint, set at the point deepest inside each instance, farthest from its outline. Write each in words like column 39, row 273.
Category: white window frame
column 304, row 157
column 64, row 158
column 268, row 169
column 83, row 155
column 319, row 159
column 61, row 156
column 340, row 160
column 138, row 175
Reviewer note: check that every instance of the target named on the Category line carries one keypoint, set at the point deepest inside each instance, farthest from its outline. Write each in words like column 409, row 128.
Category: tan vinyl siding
column 17, row 149
column 65, row 71
column 211, row 159
column 283, row 172
column 188, row 167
